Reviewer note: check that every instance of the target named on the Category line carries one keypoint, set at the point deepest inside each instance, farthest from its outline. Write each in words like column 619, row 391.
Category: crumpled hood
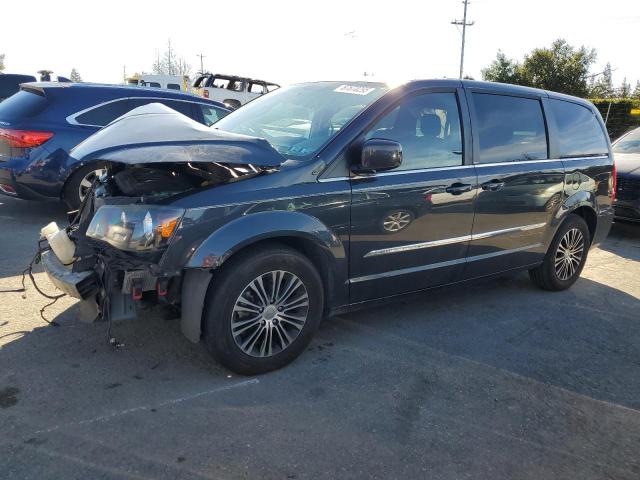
column 155, row 133
column 627, row 163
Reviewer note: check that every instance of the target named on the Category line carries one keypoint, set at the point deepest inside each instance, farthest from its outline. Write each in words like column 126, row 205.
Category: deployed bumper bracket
column 75, row 284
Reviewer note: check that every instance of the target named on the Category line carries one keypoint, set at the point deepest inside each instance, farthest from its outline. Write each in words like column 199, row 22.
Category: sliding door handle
column 458, row 188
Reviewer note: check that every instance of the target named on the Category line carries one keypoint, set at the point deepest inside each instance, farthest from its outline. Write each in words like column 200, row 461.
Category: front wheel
column 566, row 256
column 263, row 309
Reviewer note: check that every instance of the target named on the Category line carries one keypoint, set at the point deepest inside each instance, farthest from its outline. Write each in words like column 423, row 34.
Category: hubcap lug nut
column 280, row 309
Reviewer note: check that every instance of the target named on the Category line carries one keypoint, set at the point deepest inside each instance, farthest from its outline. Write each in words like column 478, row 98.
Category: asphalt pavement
column 490, row 380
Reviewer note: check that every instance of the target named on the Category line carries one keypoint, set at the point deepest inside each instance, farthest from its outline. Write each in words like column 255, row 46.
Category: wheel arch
column 305, row 234
column 583, row 204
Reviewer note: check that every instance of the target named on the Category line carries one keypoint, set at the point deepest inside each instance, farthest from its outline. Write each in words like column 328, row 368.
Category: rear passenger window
column 509, row 129
column 104, row 114
column 579, row 132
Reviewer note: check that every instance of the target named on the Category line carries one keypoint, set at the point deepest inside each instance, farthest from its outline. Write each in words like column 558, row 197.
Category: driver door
column 411, row 226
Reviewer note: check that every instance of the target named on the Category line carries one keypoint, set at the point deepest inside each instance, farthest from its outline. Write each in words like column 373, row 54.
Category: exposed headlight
column 135, row 228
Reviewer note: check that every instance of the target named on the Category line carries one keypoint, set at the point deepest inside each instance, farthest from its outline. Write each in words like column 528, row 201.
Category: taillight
column 614, row 182
column 23, row 138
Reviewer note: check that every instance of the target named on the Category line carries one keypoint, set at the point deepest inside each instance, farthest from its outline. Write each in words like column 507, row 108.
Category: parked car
column 42, row 122
column 627, row 152
column 10, row 83
column 231, row 90
column 290, row 225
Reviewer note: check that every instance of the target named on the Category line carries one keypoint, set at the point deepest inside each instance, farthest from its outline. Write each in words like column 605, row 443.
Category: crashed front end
column 123, row 233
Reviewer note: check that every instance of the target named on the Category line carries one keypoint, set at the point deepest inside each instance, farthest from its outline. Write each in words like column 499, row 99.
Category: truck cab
column 231, row 90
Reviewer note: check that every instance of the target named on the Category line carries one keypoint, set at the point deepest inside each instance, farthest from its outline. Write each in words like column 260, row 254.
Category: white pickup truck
column 231, row 90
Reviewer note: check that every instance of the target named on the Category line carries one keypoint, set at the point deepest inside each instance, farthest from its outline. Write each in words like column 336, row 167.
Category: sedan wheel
column 270, row 313
column 87, row 181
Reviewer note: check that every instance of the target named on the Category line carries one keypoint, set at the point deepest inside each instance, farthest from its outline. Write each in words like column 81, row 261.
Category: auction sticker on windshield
column 354, row 89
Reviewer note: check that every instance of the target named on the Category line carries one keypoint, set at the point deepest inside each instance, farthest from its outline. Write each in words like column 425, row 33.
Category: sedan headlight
column 135, row 228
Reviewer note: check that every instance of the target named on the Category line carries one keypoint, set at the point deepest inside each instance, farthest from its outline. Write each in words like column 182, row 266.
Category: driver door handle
column 458, row 188
column 492, row 185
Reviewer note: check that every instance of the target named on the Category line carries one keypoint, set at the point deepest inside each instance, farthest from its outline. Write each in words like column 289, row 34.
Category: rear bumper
column 11, row 187
column 603, row 227
column 627, row 210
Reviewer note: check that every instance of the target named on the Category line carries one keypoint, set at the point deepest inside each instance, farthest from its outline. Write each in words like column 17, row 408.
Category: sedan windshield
column 629, row 143
column 300, row 119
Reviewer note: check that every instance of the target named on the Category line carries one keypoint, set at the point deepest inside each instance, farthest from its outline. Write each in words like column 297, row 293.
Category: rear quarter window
column 578, row 130
column 23, row 104
column 104, row 114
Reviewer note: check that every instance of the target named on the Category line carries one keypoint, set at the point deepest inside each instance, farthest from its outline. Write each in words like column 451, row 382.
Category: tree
column 75, row 76
column 636, row 91
column 625, row 89
column 170, row 63
column 502, row 69
column 603, row 86
column 561, row 68
column 1, row 62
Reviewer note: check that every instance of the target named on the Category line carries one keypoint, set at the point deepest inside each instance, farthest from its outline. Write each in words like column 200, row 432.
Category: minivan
column 324, row 197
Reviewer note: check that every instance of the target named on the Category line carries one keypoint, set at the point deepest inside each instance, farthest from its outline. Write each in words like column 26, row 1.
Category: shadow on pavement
column 624, row 240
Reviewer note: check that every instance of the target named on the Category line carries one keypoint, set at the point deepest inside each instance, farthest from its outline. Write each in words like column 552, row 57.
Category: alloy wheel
column 87, row 181
column 396, row 221
column 269, row 313
column 569, row 254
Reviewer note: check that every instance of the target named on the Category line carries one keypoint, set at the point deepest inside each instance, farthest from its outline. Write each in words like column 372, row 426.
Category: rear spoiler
column 26, row 87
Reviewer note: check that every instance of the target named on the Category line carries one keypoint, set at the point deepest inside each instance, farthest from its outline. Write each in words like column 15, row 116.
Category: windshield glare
column 629, row 143
column 298, row 120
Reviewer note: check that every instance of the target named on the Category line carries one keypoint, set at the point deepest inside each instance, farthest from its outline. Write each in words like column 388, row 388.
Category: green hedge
column 619, row 120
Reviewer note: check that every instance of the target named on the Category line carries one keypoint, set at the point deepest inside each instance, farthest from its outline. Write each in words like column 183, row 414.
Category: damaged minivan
column 322, row 197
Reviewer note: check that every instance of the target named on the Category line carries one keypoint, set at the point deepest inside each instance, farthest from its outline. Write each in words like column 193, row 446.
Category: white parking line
column 173, row 401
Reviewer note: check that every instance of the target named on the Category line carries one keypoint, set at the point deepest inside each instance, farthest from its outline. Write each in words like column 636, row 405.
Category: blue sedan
column 41, row 123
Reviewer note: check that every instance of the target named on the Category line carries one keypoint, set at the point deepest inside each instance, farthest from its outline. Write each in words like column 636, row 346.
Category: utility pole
column 201, row 63
column 464, row 32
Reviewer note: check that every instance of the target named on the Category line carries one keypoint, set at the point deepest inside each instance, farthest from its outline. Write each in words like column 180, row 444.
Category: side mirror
column 379, row 154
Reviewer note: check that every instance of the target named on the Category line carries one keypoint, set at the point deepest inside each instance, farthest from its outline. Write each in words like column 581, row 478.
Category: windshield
column 629, row 143
column 298, row 120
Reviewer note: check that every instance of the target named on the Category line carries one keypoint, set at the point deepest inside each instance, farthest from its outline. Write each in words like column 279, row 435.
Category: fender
column 235, row 235
column 247, row 230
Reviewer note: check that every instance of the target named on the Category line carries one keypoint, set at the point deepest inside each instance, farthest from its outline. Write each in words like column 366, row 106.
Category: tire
column 559, row 271
column 251, row 341
column 76, row 184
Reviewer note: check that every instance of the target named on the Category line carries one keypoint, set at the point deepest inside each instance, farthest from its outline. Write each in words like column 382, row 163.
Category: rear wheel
column 80, row 182
column 566, row 256
column 263, row 309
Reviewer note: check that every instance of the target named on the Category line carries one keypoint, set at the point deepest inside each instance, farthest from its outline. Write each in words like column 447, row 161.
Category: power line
column 464, row 25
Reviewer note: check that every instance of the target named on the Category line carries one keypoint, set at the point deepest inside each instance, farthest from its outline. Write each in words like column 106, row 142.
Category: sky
column 290, row 41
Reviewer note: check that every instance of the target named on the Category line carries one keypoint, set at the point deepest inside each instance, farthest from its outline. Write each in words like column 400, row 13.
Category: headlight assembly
column 135, row 228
